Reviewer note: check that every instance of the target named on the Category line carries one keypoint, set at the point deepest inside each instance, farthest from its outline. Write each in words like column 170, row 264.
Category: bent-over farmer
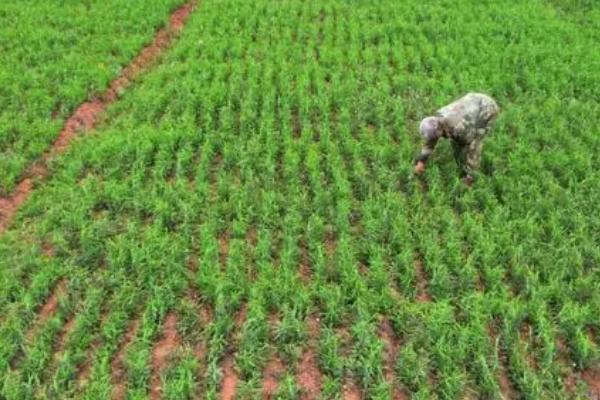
column 465, row 122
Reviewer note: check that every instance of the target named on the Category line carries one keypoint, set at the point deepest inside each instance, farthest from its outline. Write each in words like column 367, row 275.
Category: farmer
column 465, row 122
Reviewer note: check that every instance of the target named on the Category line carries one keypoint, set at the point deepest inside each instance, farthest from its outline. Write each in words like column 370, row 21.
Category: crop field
column 240, row 220
column 55, row 55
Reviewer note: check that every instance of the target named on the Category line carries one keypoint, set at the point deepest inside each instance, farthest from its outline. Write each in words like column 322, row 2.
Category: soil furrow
column 118, row 370
column 591, row 377
column 506, row 389
column 422, row 294
column 351, row 391
column 48, row 309
column 391, row 349
column 63, row 337
column 161, row 353
column 309, row 376
column 271, row 376
column 230, row 376
column 87, row 114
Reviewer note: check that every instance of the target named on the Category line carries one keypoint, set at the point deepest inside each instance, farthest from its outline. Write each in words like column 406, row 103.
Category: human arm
column 424, row 155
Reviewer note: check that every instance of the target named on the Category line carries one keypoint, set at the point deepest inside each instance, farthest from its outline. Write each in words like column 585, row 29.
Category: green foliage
column 262, row 171
column 54, row 57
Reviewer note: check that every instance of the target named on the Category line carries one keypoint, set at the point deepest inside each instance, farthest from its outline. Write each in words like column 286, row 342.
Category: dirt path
column 62, row 340
column 591, row 377
column 422, row 295
column 118, row 371
column 87, row 115
column 271, row 376
column 309, row 376
column 162, row 352
column 391, row 350
column 230, row 376
column 274, row 368
column 48, row 309
column 351, row 391
column 506, row 388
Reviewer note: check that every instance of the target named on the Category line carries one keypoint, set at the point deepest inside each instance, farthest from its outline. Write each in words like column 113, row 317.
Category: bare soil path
column 88, row 114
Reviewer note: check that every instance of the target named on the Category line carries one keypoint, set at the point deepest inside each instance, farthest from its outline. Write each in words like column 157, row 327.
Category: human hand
column 420, row 168
column 468, row 180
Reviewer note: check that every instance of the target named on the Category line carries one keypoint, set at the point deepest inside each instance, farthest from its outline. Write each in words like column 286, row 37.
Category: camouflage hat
column 430, row 128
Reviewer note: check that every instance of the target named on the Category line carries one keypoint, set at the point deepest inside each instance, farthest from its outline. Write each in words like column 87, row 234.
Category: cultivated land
column 242, row 221
column 55, row 55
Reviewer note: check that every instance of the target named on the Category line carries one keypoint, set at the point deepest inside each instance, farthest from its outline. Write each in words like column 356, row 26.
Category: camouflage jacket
column 465, row 120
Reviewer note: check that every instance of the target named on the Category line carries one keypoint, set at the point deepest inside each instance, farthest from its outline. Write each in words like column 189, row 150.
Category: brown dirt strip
column 215, row 167
column 308, row 375
column 230, row 376
column 351, row 391
column 86, row 368
column 562, row 357
column 274, row 368
column 230, row 379
column 62, row 340
column 48, row 309
column 271, row 376
column 304, row 268
column 162, row 352
column 47, row 249
column 391, row 349
column 223, row 250
column 87, row 115
column 118, row 370
column 527, row 337
column 10, row 204
column 591, row 377
column 330, row 244
column 506, row 388
column 200, row 348
column 422, row 294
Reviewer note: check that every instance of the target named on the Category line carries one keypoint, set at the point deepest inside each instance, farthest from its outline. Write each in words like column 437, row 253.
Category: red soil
column 309, row 376
column 9, row 205
column 47, row 249
column 49, row 308
column 62, row 338
column 528, row 338
column 118, row 371
column 362, row 268
column 562, row 356
column 591, row 377
column 392, row 346
column 230, row 379
column 304, row 267
column 422, row 295
column 206, row 316
column 271, row 375
column 330, row 244
column 241, row 316
column 252, row 236
column 86, row 369
column 88, row 114
column 223, row 250
column 505, row 385
column 161, row 352
column 305, row 272
column 351, row 392
column 506, row 388
column 192, row 263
